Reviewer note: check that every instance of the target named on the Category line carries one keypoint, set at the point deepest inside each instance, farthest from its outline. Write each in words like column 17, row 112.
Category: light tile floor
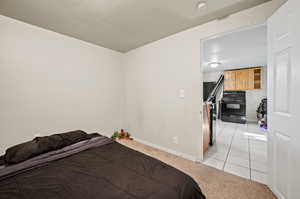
column 240, row 149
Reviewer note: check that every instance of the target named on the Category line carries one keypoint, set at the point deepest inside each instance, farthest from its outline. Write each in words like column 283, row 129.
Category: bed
column 92, row 168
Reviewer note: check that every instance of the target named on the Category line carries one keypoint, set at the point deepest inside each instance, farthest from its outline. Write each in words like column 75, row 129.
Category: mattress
column 107, row 171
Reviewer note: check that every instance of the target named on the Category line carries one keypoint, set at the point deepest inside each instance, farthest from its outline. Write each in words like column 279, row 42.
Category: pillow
column 92, row 135
column 2, row 160
column 72, row 137
column 21, row 152
column 40, row 145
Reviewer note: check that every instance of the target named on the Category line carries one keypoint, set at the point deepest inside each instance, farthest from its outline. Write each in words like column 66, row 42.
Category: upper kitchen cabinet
column 229, row 80
column 243, row 79
column 255, row 78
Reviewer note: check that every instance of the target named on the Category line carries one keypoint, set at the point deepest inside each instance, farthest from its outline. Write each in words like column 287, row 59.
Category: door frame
column 214, row 36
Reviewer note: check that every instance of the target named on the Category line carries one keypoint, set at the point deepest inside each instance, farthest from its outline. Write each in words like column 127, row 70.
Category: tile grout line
column 229, row 148
column 249, row 150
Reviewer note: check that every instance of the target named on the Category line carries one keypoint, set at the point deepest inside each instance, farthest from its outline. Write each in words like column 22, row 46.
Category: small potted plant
column 121, row 135
column 115, row 135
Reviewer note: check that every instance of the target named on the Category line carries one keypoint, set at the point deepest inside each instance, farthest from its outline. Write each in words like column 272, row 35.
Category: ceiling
column 121, row 25
column 242, row 49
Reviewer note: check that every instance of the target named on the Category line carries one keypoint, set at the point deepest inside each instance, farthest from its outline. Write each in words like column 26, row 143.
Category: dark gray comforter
column 94, row 169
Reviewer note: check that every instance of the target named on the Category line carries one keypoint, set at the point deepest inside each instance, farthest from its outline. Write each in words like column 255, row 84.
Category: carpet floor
column 214, row 183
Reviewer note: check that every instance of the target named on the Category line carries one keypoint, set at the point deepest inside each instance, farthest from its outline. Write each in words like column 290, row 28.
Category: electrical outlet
column 175, row 140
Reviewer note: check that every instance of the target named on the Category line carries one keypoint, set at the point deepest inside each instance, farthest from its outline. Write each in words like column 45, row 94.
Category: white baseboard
column 183, row 155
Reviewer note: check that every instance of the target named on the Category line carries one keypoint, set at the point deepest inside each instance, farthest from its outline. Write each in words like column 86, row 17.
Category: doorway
column 235, row 102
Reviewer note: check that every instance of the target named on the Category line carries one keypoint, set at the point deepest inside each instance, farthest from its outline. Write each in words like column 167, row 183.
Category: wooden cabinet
column 251, row 78
column 243, row 79
column 257, row 78
column 229, row 80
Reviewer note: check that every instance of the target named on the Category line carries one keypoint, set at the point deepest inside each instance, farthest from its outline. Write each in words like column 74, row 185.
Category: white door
column 284, row 101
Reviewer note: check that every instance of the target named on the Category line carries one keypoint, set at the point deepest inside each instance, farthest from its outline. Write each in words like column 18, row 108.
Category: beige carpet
column 214, row 183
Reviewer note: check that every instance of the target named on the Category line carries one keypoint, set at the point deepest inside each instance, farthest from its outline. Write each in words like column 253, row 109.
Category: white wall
column 254, row 97
column 51, row 83
column 211, row 76
column 155, row 73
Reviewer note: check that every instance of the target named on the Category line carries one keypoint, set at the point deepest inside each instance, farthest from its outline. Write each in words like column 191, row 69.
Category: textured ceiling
column 242, row 49
column 121, row 25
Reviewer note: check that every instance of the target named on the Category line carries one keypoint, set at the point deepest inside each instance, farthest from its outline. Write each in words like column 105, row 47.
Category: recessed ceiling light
column 201, row 4
column 214, row 64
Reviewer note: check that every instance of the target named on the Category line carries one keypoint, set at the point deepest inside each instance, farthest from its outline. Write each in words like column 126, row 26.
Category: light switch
column 181, row 93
